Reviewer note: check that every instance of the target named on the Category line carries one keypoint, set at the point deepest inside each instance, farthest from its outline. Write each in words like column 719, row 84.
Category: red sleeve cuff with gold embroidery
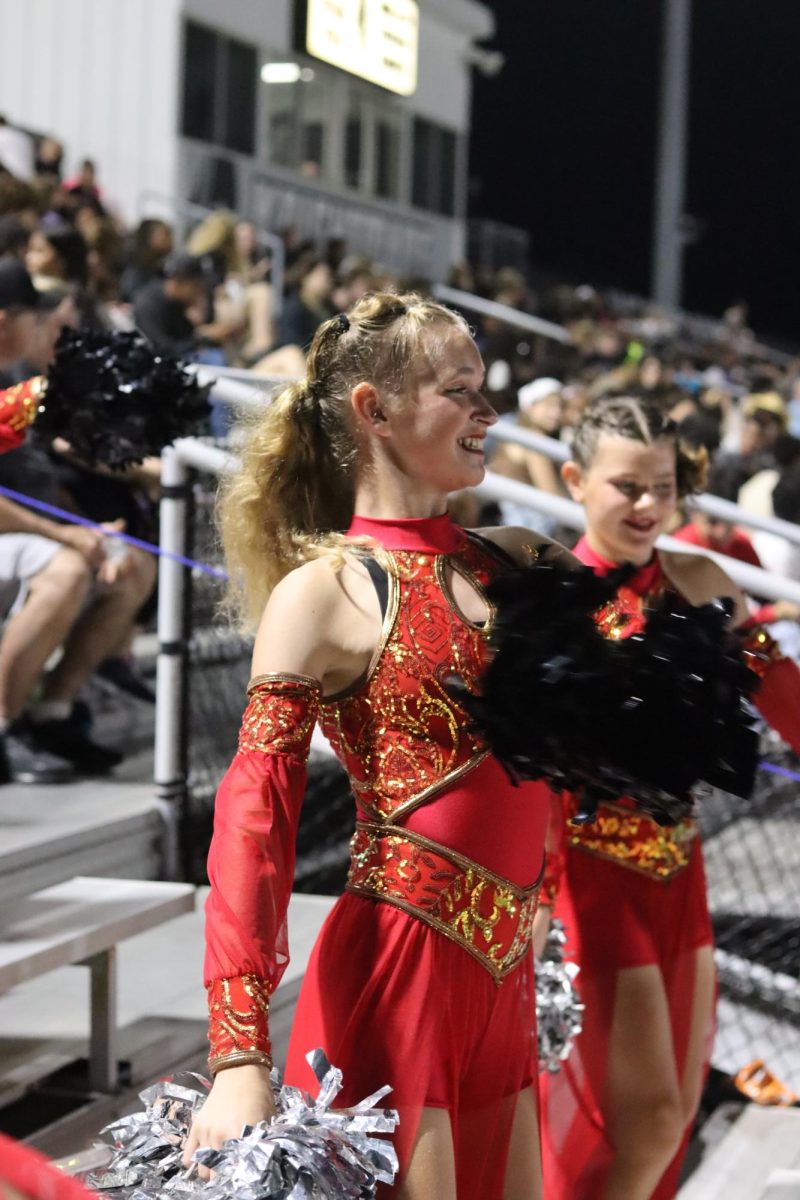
column 238, row 1023
column 760, row 650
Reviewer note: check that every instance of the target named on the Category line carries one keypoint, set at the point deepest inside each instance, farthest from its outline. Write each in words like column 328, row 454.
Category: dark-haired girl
column 422, row 977
column 632, row 894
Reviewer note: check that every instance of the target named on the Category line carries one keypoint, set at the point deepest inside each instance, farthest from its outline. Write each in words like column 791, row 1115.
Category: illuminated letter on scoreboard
column 374, row 39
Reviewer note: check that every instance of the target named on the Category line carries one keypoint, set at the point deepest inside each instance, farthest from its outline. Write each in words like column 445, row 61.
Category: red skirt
column 391, row 1000
column 616, row 918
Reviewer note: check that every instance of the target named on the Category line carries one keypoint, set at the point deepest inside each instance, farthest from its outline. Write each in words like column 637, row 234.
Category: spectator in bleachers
column 16, row 150
column 308, row 307
column 57, row 589
column 756, row 494
column 49, row 159
column 764, row 418
column 169, row 311
column 256, row 259
column 151, row 247
column 18, row 199
column 541, row 410
column 83, row 187
column 57, row 255
column 14, row 238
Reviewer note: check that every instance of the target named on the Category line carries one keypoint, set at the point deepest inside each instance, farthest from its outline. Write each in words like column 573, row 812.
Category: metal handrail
column 502, row 312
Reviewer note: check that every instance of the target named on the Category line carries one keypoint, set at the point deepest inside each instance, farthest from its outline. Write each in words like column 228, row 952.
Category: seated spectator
column 308, row 307
column 14, row 238
column 49, row 159
column 764, row 418
column 541, row 410
column 16, row 150
column 18, row 199
column 168, row 311
column 58, row 589
column 724, row 537
column 57, row 255
column 152, row 246
column 256, row 259
column 83, row 187
column 756, row 495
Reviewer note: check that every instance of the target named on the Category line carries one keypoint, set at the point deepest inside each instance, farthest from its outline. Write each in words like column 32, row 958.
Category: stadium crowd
column 72, row 599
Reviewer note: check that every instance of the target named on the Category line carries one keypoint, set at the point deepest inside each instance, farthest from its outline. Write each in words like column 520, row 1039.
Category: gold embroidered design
column 486, row 915
column 20, row 404
column 635, row 841
column 280, row 716
column 760, row 651
column 400, row 736
column 238, row 1021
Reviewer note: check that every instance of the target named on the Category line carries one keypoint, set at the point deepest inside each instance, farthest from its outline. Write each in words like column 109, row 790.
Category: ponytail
column 289, row 497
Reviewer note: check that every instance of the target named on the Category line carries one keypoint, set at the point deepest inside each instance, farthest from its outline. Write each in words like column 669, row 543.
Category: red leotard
column 630, row 893
column 422, row 976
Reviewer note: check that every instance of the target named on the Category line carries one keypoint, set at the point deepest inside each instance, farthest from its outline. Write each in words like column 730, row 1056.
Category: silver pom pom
column 559, row 1010
column 309, row 1151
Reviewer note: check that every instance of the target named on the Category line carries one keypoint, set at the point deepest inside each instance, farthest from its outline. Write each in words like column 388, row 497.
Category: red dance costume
column 422, row 976
column 631, row 893
column 31, row 1175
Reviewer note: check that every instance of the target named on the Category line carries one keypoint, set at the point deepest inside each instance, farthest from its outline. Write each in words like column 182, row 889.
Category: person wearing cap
column 540, row 406
column 57, row 589
column 764, row 418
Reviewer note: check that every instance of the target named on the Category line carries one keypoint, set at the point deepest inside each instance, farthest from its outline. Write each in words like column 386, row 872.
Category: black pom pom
column 116, row 400
column 646, row 716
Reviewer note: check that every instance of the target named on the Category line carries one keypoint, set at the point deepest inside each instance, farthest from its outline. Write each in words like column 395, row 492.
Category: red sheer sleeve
column 251, row 866
column 18, row 408
column 778, row 696
column 554, row 851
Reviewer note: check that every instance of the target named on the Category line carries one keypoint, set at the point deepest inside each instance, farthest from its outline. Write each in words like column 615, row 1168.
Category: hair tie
column 343, row 322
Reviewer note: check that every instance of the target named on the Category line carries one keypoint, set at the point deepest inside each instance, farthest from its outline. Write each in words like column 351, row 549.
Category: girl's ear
column 368, row 410
column 572, row 474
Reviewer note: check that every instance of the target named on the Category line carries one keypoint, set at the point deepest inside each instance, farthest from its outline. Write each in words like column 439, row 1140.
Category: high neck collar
column 428, row 535
column 644, row 578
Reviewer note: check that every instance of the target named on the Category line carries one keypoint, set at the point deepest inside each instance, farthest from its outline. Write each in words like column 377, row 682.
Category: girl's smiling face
column 629, row 491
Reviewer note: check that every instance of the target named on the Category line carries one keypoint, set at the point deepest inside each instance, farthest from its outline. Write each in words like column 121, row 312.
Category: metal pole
column 170, row 772
column 667, row 280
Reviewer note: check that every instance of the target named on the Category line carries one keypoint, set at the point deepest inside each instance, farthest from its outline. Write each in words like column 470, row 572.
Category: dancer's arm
column 252, row 857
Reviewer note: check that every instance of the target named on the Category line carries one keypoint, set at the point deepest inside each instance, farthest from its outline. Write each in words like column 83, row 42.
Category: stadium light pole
column 668, row 236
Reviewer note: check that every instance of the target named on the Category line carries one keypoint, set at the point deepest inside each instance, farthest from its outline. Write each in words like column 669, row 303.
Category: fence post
column 170, row 756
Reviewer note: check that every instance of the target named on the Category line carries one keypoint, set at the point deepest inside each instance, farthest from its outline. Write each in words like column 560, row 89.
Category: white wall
column 102, row 76
column 263, row 22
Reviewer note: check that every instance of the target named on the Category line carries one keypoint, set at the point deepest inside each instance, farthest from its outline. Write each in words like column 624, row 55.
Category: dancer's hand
column 240, row 1096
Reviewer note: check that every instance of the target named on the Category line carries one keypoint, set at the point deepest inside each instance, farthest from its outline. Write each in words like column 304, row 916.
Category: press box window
column 219, row 89
column 434, row 183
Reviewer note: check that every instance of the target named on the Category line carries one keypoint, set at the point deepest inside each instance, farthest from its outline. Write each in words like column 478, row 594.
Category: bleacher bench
column 81, row 922
column 759, row 1159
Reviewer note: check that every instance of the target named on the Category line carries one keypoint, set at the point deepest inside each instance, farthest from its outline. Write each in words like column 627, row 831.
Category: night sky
column 564, row 145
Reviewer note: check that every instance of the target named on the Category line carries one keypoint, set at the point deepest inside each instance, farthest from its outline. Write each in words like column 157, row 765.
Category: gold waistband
column 485, row 914
column 635, row 841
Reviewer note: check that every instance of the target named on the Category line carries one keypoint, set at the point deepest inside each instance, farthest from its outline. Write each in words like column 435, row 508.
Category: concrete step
column 759, row 1159
column 48, row 834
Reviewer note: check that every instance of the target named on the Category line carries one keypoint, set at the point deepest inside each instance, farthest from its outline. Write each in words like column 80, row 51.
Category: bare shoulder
column 526, row 546
column 294, row 631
